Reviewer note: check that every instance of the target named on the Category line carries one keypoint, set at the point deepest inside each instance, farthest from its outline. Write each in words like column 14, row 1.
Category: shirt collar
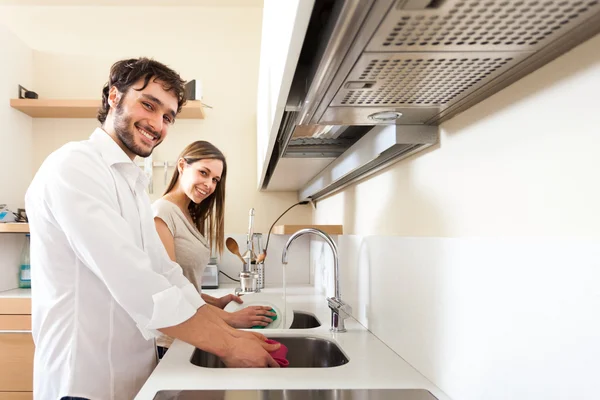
column 114, row 155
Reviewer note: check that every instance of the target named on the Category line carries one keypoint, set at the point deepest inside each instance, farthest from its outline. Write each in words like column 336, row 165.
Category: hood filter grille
column 418, row 80
column 517, row 25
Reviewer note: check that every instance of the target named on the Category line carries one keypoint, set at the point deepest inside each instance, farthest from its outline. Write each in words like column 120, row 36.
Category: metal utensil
column 166, row 165
column 250, row 235
column 149, row 170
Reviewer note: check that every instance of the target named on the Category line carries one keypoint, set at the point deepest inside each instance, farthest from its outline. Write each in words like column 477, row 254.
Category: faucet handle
column 339, row 312
column 342, row 309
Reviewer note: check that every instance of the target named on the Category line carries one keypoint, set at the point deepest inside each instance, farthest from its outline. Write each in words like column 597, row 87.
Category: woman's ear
column 180, row 165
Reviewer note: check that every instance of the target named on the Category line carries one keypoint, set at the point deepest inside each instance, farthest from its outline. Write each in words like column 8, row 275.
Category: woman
column 189, row 220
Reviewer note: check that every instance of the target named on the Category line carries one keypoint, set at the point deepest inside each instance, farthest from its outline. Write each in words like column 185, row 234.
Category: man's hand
column 251, row 316
column 262, row 339
column 248, row 351
column 223, row 301
column 206, row 330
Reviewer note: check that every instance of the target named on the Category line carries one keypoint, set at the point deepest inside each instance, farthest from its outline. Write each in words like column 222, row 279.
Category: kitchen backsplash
column 11, row 245
column 297, row 271
column 490, row 318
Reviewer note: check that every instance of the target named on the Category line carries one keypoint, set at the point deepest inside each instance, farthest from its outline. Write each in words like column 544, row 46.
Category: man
column 104, row 284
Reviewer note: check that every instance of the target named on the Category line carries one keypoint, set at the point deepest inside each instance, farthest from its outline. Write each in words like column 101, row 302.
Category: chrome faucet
column 249, row 277
column 339, row 310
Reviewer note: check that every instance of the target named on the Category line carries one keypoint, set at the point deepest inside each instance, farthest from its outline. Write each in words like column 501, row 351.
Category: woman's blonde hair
column 209, row 215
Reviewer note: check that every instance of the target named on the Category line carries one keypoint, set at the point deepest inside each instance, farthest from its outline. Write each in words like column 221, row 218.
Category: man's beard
column 122, row 126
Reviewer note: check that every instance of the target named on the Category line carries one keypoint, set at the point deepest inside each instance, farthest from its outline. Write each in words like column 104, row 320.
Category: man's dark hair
column 124, row 73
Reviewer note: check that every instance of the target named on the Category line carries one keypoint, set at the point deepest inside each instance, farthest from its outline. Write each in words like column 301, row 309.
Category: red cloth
column 280, row 354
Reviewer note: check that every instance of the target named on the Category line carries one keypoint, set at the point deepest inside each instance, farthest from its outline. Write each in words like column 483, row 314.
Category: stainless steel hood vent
column 318, row 141
column 424, row 61
column 432, row 59
column 478, row 25
column 382, row 146
column 429, row 79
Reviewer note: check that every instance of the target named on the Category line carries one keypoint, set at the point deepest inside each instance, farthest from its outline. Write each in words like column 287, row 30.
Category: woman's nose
column 208, row 184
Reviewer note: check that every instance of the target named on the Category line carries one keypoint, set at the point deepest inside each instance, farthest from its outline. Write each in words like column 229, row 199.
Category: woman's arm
column 250, row 316
column 166, row 237
column 213, row 301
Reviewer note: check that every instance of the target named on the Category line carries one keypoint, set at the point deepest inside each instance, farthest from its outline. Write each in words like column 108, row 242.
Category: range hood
column 409, row 64
column 383, row 145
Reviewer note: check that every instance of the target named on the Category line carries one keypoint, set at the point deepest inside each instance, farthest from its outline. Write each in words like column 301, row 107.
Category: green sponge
column 273, row 317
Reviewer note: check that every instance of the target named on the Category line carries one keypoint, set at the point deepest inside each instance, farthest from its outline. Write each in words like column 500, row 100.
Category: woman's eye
column 203, row 173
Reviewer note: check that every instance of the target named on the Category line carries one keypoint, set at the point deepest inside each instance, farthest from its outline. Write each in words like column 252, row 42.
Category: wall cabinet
column 17, row 348
column 283, row 30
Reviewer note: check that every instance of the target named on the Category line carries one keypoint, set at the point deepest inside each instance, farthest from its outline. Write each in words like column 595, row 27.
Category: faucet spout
column 339, row 309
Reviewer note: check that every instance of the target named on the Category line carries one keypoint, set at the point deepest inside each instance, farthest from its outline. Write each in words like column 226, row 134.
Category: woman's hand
column 251, row 316
column 223, row 301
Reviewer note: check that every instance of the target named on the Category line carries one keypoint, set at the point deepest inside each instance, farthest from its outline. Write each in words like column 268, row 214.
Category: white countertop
column 372, row 365
column 16, row 293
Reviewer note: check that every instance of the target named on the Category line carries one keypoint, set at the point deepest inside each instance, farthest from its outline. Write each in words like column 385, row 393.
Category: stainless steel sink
column 320, row 394
column 303, row 352
column 304, row 320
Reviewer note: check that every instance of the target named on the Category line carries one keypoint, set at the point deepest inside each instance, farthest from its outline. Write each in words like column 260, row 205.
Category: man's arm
column 207, row 331
column 78, row 195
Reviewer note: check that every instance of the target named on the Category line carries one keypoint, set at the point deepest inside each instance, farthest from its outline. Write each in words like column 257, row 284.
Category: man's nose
column 157, row 125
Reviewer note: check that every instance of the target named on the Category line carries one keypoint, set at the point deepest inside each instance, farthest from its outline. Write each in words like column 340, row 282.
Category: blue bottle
column 25, row 268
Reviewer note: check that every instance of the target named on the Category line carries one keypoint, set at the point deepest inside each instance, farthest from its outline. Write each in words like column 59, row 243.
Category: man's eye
column 147, row 105
column 167, row 119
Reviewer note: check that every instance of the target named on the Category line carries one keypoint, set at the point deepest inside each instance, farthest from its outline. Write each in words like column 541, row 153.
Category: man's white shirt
column 102, row 282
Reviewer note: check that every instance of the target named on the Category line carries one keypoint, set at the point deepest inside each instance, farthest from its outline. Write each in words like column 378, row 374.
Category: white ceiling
column 135, row 3
column 93, row 27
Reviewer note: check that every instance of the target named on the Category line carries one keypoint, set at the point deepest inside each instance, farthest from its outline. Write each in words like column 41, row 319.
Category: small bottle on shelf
column 25, row 268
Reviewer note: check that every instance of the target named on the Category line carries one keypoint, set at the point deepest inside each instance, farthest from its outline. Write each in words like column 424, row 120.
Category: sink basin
column 303, row 352
column 304, row 320
column 298, row 394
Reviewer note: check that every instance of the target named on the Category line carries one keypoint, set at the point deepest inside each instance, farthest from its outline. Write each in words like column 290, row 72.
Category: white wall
column 478, row 261
column 15, row 135
column 15, row 146
column 75, row 47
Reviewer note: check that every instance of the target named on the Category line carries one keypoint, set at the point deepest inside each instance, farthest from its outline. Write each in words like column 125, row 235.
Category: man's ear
column 114, row 96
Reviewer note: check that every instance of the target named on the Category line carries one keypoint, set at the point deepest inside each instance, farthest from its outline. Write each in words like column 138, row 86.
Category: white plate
column 274, row 301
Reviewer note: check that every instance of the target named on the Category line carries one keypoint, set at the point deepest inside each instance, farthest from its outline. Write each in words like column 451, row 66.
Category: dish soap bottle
column 25, row 268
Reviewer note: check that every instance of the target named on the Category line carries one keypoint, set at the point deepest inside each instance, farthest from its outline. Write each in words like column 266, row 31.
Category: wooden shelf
column 291, row 229
column 14, row 227
column 48, row 108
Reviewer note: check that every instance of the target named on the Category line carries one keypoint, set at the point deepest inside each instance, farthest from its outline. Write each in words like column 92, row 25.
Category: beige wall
column 15, row 136
column 15, row 147
column 219, row 46
column 523, row 162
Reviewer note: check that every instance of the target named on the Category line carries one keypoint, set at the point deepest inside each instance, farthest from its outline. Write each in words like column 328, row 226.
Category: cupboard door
column 15, row 323
column 15, row 305
column 16, row 395
column 16, row 363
